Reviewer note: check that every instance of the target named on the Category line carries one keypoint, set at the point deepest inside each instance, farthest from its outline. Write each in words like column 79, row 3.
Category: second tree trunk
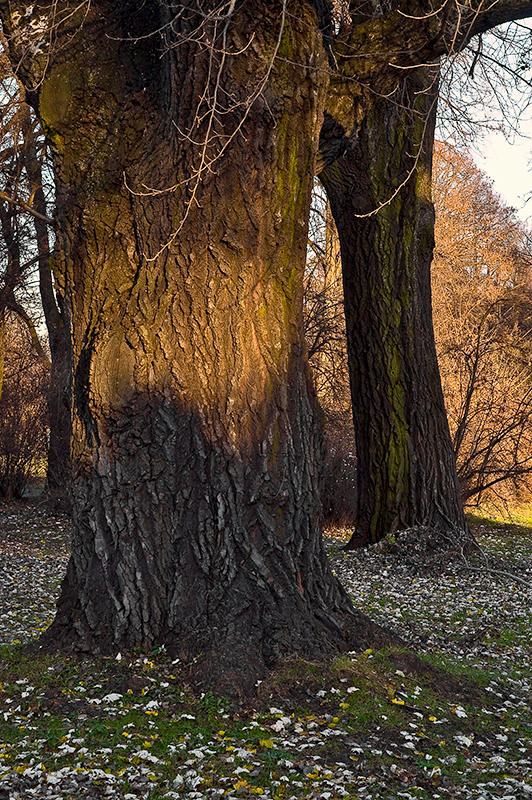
column 380, row 195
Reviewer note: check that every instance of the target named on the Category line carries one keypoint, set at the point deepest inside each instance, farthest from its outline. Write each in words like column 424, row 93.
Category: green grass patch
column 373, row 713
column 373, row 724
column 504, row 518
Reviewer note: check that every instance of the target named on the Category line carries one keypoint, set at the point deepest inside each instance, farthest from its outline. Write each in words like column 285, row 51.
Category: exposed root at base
column 234, row 669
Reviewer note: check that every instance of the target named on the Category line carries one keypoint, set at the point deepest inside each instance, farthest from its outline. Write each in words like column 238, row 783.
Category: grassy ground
column 518, row 516
column 450, row 722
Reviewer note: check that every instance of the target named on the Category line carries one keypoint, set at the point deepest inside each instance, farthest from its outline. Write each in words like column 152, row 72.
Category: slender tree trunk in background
column 11, row 279
column 406, row 473
column 197, row 443
column 58, row 467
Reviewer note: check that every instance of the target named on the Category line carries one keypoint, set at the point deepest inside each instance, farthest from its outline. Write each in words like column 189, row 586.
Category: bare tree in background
column 324, row 322
column 377, row 174
column 23, row 413
column 17, row 256
column 26, row 255
column 481, row 285
column 482, row 282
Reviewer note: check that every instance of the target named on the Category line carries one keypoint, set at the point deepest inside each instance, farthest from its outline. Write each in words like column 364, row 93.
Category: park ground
column 446, row 716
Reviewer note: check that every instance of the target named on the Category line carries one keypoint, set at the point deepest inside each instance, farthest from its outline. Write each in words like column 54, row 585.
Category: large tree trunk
column 380, row 195
column 196, row 446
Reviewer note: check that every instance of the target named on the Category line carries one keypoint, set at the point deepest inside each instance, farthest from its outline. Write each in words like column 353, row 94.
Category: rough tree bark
column 378, row 133
column 196, row 437
column 197, row 442
column 406, row 472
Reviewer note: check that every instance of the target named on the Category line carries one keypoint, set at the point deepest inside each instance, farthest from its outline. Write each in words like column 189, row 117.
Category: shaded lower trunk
column 196, row 441
column 380, row 195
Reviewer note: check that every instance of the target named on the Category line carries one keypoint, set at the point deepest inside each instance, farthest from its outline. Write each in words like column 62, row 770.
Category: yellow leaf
column 266, row 743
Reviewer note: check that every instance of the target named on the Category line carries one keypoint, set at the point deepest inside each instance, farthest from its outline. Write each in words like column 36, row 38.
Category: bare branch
column 497, row 13
column 30, row 325
column 16, row 201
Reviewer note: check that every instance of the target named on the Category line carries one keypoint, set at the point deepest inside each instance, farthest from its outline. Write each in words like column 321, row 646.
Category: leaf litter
column 445, row 717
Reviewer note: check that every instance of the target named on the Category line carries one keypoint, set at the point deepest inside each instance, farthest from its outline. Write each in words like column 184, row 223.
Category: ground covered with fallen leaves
column 445, row 717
